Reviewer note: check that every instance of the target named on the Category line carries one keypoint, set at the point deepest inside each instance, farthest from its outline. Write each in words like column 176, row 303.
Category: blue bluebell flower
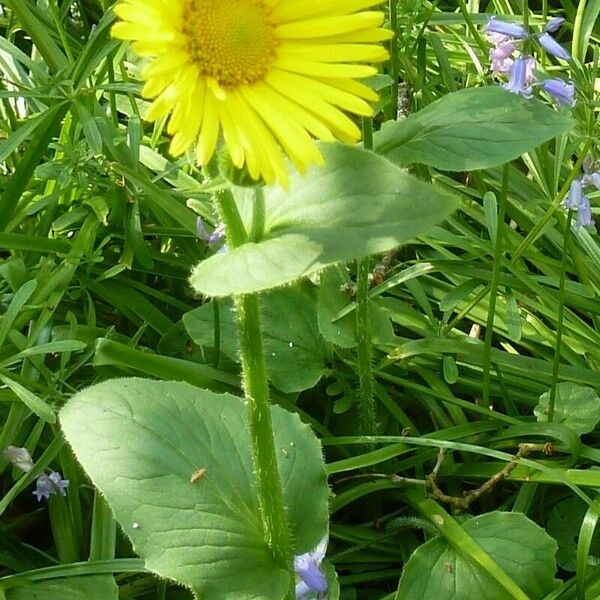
column 210, row 237
column 551, row 46
column 573, row 199
column 216, row 237
column 554, row 24
column 584, row 214
column 47, row 485
column 308, row 568
column 513, row 30
column 561, row 91
column 521, row 76
column 578, row 201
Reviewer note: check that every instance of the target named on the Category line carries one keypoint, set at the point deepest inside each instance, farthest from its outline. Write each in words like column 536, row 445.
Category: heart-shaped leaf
column 175, row 465
column 520, row 548
column 564, row 525
column 359, row 204
column 475, row 128
column 575, row 406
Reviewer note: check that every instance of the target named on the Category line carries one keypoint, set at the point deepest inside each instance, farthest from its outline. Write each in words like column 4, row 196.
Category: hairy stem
column 256, row 388
column 261, row 428
column 367, row 411
column 366, row 408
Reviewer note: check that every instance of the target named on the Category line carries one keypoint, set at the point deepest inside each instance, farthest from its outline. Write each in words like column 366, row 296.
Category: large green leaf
column 291, row 336
column 358, row 204
column 91, row 587
column 517, row 545
column 475, row 128
column 141, row 441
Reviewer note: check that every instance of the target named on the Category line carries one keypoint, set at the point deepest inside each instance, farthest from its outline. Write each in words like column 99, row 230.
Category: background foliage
column 97, row 241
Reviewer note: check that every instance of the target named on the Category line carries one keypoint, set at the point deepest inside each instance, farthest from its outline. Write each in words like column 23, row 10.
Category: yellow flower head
column 270, row 75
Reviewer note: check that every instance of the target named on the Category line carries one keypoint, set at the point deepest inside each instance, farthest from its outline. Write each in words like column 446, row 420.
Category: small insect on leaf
column 198, row 474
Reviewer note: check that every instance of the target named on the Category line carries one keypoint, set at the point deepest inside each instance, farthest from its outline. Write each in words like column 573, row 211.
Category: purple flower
column 502, row 49
column 513, row 30
column 561, row 91
column 215, row 237
column 521, row 76
column 210, row 237
column 551, row 46
column 308, row 569
column 576, row 200
column 573, row 199
column 47, row 485
column 501, row 56
column 497, row 38
column 584, row 214
column 501, row 66
column 19, row 457
column 554, row 24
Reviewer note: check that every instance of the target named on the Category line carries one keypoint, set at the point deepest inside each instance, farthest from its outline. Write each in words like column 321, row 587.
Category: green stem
column 525, row 12
column 392, row 108
column 216, row 333
column 61, row 31
column 112, row 95
column 367, row 131
column 559, row 318
column 464, row 11
column 489, row 327
column 577, row 49
column 465, row 311
column 527, row 50
column 258, row 408
column 256, row 387
column 236, row 232
column 258, row 215
column 367, row 411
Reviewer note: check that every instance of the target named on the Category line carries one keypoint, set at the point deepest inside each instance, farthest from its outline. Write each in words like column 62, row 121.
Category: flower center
column 232, row 41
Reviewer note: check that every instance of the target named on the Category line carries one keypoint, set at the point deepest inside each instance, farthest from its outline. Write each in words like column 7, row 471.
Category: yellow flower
column 270, row 75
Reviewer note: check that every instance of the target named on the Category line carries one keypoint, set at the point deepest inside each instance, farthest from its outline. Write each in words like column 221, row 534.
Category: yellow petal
column 333, row 53
column 316, row 69
column 286, row 11
column 326, row 26
column 209, row 134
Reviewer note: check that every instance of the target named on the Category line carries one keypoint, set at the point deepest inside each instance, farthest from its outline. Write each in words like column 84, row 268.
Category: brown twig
column 463, row 502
